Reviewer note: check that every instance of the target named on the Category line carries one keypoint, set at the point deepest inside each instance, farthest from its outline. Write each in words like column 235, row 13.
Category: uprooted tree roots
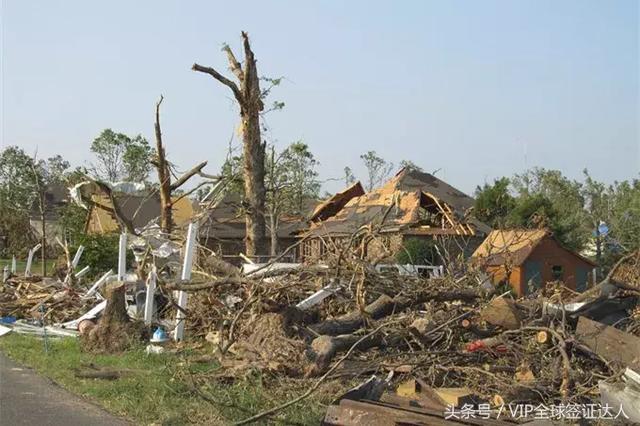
column 114, row 332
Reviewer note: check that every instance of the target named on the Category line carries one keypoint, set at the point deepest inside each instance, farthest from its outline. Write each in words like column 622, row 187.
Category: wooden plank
column 610, row 343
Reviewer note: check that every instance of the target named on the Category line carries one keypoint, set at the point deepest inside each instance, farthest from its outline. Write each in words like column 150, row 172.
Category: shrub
column 100, row 252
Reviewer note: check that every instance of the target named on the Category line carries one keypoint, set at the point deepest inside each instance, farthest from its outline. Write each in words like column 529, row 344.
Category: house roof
column 56, row 195
column 227, row 221
column 406, row 197
column 333, row 205
column 513, row 246
column 139, row 209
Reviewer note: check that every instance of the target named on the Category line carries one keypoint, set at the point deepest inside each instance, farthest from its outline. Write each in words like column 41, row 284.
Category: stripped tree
column 249, row 97
column 164, row 178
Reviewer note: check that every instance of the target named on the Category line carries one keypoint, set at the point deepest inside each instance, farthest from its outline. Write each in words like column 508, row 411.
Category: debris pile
column 48, row 299
column 454, row 335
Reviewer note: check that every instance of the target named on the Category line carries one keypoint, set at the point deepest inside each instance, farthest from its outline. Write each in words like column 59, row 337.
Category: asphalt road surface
column 29, row 399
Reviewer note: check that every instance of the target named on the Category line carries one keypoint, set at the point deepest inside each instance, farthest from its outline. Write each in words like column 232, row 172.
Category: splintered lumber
column 350, row 412
column 503, row 313
column 456, row 397
column 610, row 343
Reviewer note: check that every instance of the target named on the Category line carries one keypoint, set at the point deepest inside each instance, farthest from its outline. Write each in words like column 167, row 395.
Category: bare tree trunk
column 273, row 230
column 43, row 250
column 249, row 98
column 164, row 177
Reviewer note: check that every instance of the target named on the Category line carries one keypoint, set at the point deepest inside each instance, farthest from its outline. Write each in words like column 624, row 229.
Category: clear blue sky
column 468, row 87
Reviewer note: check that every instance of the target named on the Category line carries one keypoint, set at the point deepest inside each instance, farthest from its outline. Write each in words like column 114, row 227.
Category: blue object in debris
column 7, row 320
column 603, row 229
column 159, row 336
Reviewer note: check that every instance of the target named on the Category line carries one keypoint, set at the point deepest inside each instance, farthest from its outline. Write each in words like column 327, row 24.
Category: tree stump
column 114, row 332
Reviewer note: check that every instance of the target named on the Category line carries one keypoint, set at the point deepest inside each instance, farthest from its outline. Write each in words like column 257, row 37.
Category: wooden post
column 187, row 265
column 122, row 257
column 151, row 290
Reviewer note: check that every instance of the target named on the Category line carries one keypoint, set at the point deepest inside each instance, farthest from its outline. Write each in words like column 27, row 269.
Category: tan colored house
column 412, row 204
column 527, row 259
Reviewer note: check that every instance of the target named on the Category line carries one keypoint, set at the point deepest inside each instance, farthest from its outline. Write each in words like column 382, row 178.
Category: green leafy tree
column 378, row 169
column 24, row 185
column 120, row 157
column 494, row 203
column 557, row 202
column 291, row 180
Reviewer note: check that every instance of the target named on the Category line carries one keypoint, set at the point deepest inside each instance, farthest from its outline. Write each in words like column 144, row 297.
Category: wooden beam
column 610, row 343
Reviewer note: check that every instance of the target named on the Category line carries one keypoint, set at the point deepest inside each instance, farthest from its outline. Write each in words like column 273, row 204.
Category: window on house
column 557, row 272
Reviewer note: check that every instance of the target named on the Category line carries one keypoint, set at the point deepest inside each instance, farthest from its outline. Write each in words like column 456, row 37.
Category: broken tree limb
column 188, row 175
column 384, row 306
column 594, row 291
column 325, row 348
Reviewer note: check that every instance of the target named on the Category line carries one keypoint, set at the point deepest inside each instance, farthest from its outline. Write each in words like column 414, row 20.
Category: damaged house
column 56, row 197
column 223, row 230
column 526, row 259
column 411, row 205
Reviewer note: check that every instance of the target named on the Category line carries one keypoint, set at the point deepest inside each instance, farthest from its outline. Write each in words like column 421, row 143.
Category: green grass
column 158, row 389
column 36, row 265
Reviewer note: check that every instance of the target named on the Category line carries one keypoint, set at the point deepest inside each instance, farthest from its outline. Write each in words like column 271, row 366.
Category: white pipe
column 187, row 266
column 27, row 270
column 151, row 290
column 14, row 266
column 98, row 283
column 89, row 315
column 76, row 258
column 82, row 272
column 122, row 257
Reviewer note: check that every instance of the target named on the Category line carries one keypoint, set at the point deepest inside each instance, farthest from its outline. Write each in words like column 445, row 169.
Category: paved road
column 29, row 399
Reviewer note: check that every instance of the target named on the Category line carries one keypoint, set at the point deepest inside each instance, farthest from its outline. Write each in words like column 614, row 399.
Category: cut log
column 543, row 337
column 610, row 343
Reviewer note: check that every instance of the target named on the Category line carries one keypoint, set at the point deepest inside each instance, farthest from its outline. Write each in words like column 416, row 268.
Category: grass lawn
column 36, row 265
column 159, row 391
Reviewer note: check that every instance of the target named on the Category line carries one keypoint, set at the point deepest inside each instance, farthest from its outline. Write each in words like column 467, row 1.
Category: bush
column 418, row 251
column 100, row 252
